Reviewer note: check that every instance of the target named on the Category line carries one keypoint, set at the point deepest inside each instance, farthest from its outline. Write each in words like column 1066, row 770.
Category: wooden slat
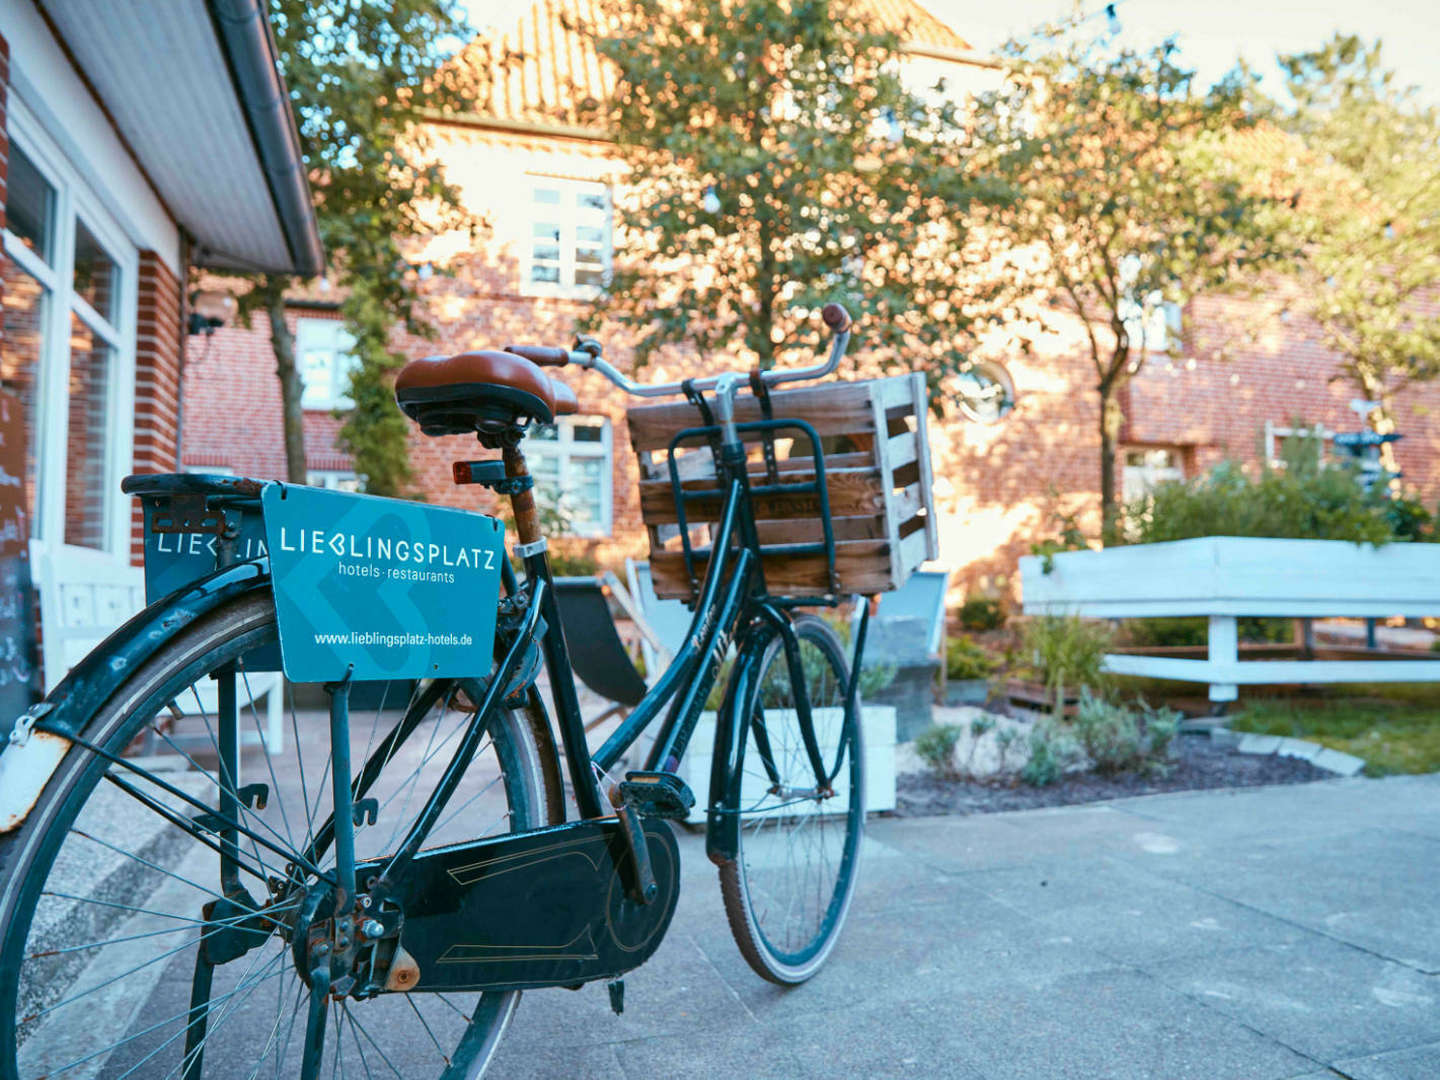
column 914, row 550
column 810, row 531
column 883, row 448
column 863, row 566
column 851, row 492
column 927, row 476
column 832, row 408
column 900, row 450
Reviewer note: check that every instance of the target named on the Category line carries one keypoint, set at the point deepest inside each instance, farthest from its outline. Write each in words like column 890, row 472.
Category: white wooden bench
column 87, row 594
column 1223, row 578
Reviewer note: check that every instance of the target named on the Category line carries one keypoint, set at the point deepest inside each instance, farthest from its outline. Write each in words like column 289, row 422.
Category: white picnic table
column 1224, row 578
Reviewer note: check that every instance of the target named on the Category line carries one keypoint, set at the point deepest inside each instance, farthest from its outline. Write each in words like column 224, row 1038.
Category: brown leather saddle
column 485, row 392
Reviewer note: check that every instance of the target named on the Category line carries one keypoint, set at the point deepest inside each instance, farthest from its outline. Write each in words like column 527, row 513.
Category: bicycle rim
column 789, row 889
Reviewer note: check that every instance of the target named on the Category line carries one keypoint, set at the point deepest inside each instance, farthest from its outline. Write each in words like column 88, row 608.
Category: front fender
column 27, row 765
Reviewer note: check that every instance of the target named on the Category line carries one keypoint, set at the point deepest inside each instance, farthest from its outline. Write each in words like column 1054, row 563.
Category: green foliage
column 1068, row 538
column 980, row 613
column 1005, row 740
column 1395, row 728
column 776, row 161
column 1117, row 738
column 1124, row 191
column 363, row 76
column 935, row 746
column 1067, row 652
column 1053, row 750
column 1368, row 197
column 1302, row 500
column 964, row 659
column 1194, row 632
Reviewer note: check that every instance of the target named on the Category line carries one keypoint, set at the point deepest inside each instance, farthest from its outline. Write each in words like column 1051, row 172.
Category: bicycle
column 444, row 871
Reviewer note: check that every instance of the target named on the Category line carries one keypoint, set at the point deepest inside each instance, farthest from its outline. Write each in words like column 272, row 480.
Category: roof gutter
column 246, row 40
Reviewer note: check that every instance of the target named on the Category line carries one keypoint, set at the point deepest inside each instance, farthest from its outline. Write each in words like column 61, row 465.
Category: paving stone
column 1337, row 761
column 1298, row 748
column 1259, row 744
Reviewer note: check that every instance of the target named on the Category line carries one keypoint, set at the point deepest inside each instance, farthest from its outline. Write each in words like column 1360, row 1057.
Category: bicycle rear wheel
column 789, row 889
column 101, row 894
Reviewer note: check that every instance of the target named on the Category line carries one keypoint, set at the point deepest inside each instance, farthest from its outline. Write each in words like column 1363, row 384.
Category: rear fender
column 28, row 761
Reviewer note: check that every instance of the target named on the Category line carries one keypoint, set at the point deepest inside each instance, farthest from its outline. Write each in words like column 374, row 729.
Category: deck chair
column 86, row 594
column 667, row 620
column 597, row 654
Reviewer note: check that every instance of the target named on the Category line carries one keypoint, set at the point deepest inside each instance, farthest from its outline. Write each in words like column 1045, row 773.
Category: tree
column 1124, row 194
column 1370, row 198
column 363, row 76
column 774, row 161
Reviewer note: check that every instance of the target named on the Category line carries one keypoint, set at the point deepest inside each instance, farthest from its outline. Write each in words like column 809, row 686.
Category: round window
column 985, row 392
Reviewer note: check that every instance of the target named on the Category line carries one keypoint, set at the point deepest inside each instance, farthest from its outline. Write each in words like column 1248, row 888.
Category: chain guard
column 543, row 908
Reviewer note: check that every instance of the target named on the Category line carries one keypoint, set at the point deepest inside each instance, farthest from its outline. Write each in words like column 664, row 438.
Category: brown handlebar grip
column 546, row 355
column 836, row 317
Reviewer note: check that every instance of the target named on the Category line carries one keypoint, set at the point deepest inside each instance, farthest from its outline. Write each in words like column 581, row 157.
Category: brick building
column 128, row 153
column 1019, row 439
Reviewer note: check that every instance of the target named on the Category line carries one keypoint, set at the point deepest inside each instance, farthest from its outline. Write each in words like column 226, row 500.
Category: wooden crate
column 877, row 473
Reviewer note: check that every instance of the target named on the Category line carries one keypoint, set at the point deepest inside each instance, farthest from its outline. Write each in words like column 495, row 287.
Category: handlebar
column 586, row 354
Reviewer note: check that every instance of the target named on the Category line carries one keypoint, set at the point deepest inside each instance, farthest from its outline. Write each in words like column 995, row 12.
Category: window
column 568, row 246
column 985, row 393
column 1146, row 469
column 322, row 349
column 68, row 352
column 333, row 479
column 1283, row 441
column 571, row 463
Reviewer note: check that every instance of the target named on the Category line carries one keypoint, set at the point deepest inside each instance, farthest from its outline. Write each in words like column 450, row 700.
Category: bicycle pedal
column 657, row 794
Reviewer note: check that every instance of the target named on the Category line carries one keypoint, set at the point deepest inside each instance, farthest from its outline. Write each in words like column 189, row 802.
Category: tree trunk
column 292, row 387
column 1109, row 434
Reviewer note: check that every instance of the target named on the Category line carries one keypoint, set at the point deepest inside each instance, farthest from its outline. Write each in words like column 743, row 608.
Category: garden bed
column 1199, row 763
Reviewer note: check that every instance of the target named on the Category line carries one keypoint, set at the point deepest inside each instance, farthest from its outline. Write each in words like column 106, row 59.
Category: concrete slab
column 1338, row 762
column 1259, row 744
column 1325, row 999
column 1414, row 1063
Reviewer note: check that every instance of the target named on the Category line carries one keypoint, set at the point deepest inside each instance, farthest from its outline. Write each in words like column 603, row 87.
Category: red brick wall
column 4, row 158
column 159, row 351
column 233, row 417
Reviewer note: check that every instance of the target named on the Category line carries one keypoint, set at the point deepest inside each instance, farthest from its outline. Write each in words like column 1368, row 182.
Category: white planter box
column 1223, row 577
column 878, row 734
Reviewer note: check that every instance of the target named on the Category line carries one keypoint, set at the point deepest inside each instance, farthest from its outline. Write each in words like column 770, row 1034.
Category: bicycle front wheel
column 106, row 902
column 789, row 889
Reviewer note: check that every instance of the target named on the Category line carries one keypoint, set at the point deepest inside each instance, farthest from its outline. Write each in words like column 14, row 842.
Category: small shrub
column 1005, row 740
column 964, row 659
column 980, row 613
column 1117, row 739
column 1052, row 750
column 1068, row 652
column 936, row 748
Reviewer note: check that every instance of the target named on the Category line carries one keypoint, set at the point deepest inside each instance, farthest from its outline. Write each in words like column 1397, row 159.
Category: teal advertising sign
column 174, row 560
column 380, row 588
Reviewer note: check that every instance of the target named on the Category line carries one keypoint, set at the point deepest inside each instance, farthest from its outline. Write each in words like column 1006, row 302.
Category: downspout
column 250, row 53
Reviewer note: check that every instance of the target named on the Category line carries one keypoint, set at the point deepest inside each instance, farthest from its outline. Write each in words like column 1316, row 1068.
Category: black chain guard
column 543, row 908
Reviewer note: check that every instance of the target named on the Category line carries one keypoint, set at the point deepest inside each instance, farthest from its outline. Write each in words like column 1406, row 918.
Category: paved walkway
column 1288, row 932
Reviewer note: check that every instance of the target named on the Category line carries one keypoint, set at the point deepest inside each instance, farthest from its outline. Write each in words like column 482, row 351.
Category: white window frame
column 342, row 362
column 1274, row 433
column 1154, row 475
column 569, row 217
column 567, row 449
column 74, row 201
column 333, row 479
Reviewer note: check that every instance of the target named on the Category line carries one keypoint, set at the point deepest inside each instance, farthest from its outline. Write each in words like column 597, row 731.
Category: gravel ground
column 1199, row 763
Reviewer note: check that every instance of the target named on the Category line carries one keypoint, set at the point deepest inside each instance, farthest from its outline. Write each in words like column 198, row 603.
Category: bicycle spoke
column 361, row 1028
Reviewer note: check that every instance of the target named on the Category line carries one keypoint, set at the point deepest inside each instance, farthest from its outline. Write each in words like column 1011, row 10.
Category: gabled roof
column 545, row 69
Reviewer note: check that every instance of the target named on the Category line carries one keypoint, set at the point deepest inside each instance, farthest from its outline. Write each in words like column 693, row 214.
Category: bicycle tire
column 73, row 824
column 787, row 950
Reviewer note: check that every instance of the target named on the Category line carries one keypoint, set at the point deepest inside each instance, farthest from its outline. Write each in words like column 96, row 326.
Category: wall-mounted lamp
column 210, row 309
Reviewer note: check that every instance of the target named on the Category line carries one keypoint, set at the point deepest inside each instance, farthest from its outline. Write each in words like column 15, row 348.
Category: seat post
column 527, row 520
